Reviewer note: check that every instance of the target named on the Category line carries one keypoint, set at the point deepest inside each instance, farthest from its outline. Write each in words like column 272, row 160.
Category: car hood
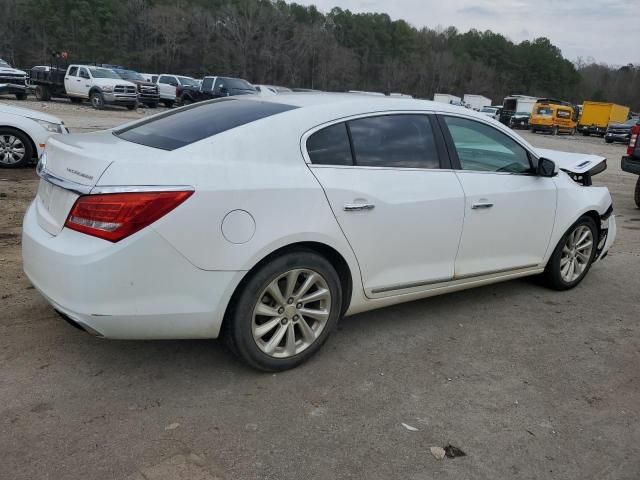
column 25, row 112
column 572, row 162
column 13, row 71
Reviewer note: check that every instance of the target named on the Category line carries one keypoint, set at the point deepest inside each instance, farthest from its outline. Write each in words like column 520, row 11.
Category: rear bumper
column 139, row 288
column 630, row 165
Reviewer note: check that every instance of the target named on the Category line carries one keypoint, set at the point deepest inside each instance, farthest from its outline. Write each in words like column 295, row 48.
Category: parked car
column 175, row 227
column 554, row 116
column 101, row 86
column 631, row 162
column 148, row 93
column 217, row 87
column 520, row 121
column 24, row 133
column 493, row 112
column 620, row 132
column 596, row 117
column 173, row 87
column 12, row 80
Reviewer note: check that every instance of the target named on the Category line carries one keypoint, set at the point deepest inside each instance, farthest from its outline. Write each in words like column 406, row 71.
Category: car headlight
column 107, row 88
column 49, row 126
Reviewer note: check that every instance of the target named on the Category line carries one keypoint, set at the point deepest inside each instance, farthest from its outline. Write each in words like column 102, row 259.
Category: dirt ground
column 530, row 383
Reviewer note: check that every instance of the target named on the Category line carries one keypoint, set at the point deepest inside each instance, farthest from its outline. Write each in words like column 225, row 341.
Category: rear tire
column 16, row 149
column 278, row 331
column 573, row 256
column 608, row 140
column 636, row 195
column 43, row 93
column 97, row 100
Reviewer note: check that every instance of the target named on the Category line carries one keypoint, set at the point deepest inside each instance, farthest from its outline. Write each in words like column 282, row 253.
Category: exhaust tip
column 78, row 325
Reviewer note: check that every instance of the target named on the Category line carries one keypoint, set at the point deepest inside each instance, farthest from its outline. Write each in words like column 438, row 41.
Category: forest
column 288, row 44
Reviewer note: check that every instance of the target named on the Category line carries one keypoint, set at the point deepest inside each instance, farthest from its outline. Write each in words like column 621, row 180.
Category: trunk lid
column 71, row 166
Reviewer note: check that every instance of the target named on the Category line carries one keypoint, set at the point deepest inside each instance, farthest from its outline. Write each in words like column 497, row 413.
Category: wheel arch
column 17, row 129
column 336, row 259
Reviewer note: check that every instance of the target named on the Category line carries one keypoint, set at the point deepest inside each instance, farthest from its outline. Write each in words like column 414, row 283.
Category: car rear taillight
column 114, row 216
column 635, row 132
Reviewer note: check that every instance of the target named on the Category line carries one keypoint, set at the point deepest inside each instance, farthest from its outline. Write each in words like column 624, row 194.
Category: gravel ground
column 530, row 383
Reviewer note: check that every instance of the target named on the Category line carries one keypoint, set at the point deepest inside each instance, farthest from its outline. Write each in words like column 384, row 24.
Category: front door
column 401, row 213
column 509, row 211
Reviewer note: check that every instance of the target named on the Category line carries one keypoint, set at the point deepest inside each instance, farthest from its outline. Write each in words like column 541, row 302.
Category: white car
column 24, row 133
column 267, row 220
column 493, row 112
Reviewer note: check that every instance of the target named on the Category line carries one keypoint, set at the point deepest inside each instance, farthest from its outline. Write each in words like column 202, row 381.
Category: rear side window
column 330, row 146
column 207, row 83
column 563, row 114
column 178, row 128
column 399, row 141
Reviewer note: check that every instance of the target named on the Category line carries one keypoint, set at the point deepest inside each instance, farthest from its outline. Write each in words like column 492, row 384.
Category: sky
column 607, row 30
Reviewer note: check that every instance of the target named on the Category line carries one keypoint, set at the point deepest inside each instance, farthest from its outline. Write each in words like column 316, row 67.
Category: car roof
column 356, row 101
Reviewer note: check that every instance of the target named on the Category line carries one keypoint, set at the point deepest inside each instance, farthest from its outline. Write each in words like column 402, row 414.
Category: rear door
column 509, row 211
column 400, row 211
column 167, row 87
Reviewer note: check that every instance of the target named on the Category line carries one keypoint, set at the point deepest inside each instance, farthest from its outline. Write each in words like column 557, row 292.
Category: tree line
column 275, row 42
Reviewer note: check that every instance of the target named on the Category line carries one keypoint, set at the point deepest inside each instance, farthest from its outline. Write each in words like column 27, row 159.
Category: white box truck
column 516, row 104
column 476, row 102
column 446, row 98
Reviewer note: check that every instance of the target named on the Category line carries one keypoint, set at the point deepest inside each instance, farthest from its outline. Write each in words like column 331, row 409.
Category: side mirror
column 546, row 168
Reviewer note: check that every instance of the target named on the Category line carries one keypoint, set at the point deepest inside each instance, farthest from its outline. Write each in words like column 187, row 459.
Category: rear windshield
column 185, row 126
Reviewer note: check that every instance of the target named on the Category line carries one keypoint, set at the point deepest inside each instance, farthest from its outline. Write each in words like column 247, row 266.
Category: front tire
column 21, row 96
column 636, row 195
column 608, row 140
column 97, row 100
column 285, row 311
column 131, row 107
column 16, row 149
column 573, row 256
column 168, row 103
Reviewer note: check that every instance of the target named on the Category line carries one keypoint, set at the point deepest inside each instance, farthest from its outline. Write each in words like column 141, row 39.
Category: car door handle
column 477, row 206
column 354, row 207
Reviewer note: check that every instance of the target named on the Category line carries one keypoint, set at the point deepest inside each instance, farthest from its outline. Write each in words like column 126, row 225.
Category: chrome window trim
column 311, row 131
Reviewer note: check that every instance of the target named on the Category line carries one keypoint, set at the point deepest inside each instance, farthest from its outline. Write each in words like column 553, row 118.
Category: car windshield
column 97, row 72
column 184, row 126
column 4, row 64
column 522, row 114
column 130, row 75
column 190, row 82
column 632, row 121
column 544, row 111
column 489, row 110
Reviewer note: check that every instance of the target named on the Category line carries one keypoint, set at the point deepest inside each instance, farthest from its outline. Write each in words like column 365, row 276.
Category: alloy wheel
column 576, row 253
column 291, row 313
column 12, row 149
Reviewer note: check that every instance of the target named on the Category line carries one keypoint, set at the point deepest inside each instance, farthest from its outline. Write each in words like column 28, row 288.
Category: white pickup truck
column 102, row 86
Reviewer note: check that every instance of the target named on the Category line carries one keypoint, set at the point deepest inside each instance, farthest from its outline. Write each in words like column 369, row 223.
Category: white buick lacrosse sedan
column 266, row 220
